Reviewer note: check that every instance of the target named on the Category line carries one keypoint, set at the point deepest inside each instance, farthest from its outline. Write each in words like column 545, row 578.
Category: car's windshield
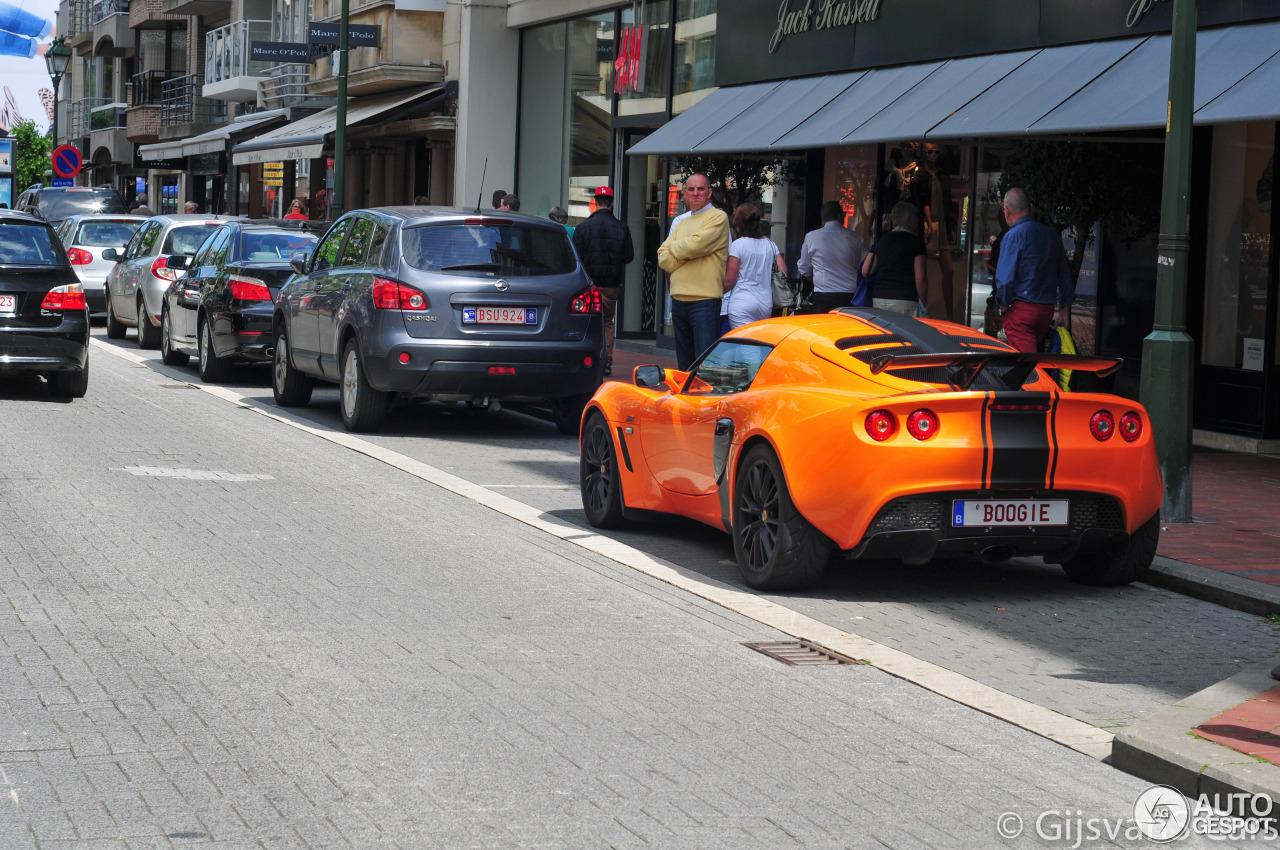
column 55, row 206
column 28, row 244
column 105, row 234
column 274, row 244
column 507, row 249
column 186, row 239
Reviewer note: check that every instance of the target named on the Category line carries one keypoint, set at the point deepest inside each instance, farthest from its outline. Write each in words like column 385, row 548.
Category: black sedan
column 443, row 304
column 221, row 309
column 44, row 321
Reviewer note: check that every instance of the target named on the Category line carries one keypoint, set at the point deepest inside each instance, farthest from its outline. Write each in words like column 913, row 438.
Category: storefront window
column 169, row 194
column 695, row 53
column 591, row 56
column 644, row 59
column 543, row 157
column 1238, row 249
column 850, row 178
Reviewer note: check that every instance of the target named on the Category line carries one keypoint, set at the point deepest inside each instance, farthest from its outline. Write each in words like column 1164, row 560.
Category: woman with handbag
column 748, row 279
column 897, row 261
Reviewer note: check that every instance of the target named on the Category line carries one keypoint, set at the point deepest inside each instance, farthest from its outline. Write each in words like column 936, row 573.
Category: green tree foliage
column 734, row 180
column 32, row 151
column 1074, row 184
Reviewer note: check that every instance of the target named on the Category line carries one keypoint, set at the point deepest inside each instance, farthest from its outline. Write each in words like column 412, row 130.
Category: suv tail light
column 588, row 300
column 160, row 268
column 922, row 424
column 1131, row 426
column 881, row 425
column 79, row 257
column 249, row 289
column 1102, row 425
column 69, row 297
column 393, row 295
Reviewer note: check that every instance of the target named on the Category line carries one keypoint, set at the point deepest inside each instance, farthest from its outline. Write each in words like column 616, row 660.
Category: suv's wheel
column 115, row 330
column 213, row 369
column 598, row 475
column 290, row 387
column 167, row 354
column 69, row 384
column 148, row 334
column 777, row 548
column 363, row 408
column 1128, row 566
column 566, row 412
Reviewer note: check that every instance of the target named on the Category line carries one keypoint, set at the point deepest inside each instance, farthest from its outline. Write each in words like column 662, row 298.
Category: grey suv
column 55, row 204
column 439, row 303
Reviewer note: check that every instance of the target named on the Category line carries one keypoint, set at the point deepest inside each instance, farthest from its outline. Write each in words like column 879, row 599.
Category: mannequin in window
column 931, row 193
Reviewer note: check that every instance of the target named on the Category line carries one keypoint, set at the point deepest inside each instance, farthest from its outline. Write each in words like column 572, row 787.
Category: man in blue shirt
column 1033, row 284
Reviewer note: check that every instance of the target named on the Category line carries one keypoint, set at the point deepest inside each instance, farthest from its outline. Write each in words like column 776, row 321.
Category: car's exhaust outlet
column 495, row 406
column 996, row 554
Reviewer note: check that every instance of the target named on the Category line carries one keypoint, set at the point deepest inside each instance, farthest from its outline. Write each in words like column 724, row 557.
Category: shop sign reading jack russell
column 824, row 14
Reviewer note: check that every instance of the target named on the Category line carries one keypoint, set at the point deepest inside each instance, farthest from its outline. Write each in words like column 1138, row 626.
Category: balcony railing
column 181, row 102
column 226, row 51
column 145, row 89
column 286, row 85
column 78, row 17
column 103, row 9
column 105, row 114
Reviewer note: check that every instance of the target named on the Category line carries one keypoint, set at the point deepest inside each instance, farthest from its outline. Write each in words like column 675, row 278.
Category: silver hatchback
column 85, row 237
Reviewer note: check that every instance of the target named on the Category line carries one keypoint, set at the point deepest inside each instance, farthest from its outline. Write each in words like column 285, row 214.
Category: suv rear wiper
column 473, row 267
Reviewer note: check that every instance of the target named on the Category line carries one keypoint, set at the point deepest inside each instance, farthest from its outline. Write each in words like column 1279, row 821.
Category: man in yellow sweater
column 694, row 258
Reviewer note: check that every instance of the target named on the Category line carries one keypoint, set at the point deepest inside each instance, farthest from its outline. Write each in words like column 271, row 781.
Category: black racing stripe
column 1019, row 443
column 626, row 455
column 1053, row 438
column 986, row 447
column 870, row 339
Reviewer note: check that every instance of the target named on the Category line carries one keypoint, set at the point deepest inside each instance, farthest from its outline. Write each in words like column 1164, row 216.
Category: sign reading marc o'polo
column 814, row 15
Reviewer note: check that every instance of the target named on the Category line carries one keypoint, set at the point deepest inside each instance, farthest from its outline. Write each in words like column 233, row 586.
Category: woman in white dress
column 748, row 279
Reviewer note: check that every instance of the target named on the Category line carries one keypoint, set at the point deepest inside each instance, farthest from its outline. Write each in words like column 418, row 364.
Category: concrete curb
column 1225, row 589
column 1161, row 750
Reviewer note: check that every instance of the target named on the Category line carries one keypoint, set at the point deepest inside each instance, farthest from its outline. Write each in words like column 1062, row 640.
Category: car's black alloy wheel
column 167, row 354
column 290, row 387
column 776, row 547
column 598, row 475
column 1128, row 565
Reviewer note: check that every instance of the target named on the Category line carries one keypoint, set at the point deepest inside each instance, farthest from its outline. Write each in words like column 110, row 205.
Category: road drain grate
column 177, row 386
column 799, row 652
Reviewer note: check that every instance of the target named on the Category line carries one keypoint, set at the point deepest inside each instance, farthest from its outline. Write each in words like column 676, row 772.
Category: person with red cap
column 604, row 246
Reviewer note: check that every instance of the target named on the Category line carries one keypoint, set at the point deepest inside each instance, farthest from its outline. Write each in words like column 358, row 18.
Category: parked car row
column 395, row 302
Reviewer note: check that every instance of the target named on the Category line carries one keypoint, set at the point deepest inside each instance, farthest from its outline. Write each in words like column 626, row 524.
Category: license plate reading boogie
column 1025, row 512
column 500, row 315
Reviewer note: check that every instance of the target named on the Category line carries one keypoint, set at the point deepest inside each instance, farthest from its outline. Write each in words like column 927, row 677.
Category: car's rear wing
column 1016, row 365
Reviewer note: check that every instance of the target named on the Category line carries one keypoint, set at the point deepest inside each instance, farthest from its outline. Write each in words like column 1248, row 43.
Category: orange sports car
column 876, row 435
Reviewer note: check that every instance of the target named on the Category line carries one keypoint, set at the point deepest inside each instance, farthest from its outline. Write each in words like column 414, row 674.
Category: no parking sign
column 66, row 161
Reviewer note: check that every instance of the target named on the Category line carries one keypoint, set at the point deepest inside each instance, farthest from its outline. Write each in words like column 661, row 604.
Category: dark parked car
column 439, row 303
column 220, row 310
column 57, row 203
column 44, row 322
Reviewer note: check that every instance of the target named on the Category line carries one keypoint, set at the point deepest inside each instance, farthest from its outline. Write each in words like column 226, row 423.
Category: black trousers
column 825, row 302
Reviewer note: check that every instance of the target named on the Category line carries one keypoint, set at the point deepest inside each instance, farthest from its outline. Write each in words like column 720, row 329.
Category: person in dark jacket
column 604, row 245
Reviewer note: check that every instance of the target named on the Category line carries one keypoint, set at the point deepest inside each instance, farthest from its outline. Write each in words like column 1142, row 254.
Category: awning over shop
column 305, row 139
column 1077, row 88
column 214, row 141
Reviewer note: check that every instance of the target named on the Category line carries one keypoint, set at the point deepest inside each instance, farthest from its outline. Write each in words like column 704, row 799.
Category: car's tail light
column 1102, row 425
column 393, row 295
column 160, row 268
column 249, row 289
column 79, row 257
column 588, row 300
column 69, row 297
column 881, row 425
column 1131, row 426
column 922, row 424
column 502, row 370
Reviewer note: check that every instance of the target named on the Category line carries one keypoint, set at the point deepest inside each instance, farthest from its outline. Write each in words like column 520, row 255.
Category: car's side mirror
column 178, row 261
column 650, row 377
column 299, row 261
column 111, row 254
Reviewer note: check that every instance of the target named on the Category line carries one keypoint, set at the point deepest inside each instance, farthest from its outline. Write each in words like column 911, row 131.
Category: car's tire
column 566, row 412
column 598, row 476
column 1128, row 566
column 290, row 387
column 776, row 547
column 148, row 334
column 362, row 407
column 167, row 354
column 69, row 384
column 115, row 330
column 213, row 369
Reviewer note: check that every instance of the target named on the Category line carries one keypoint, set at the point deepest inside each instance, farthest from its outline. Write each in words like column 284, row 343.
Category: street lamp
column 56, row 59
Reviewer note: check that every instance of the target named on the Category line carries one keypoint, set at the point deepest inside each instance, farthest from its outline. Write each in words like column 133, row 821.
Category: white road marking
column 1068, row 731
column 191, row 474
